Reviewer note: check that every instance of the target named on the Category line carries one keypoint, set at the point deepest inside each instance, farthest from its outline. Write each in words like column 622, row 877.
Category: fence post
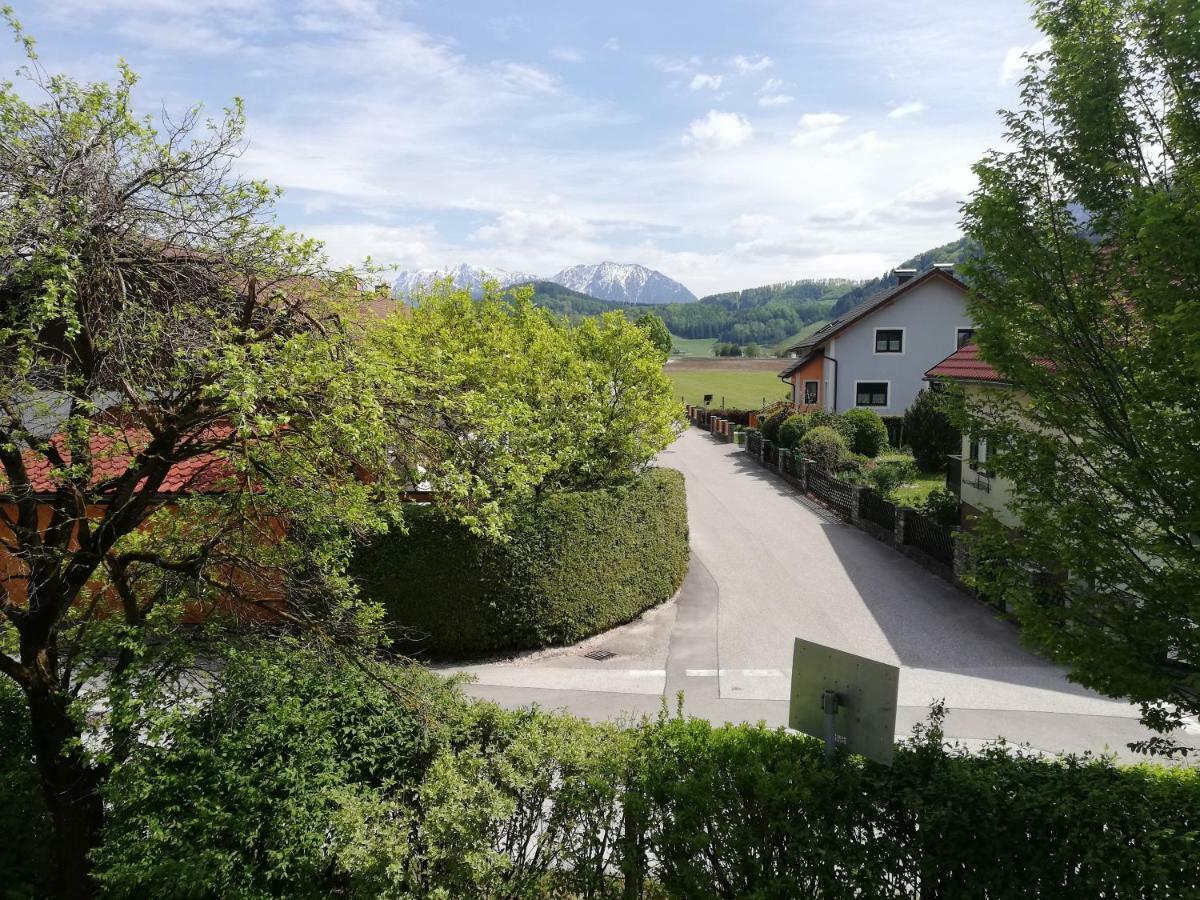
column 857, row 492
column 962, row 556
column 902, row 514
column 803, row 470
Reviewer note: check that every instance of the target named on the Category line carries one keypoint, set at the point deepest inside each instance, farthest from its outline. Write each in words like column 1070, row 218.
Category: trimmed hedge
column 577, row 563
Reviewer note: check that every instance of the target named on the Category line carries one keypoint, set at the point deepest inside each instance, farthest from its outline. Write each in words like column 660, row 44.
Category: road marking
column 734, row 673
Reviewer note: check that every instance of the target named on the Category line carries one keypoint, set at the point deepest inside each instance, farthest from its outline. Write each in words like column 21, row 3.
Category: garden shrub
column 770, row 427
column 577, row 563
column 887, row 477
column 929, row 432
column 895, row 430
column 792, row 429
column 868, row 434
column 943, row 507
column 302, row 778
column 824, row 446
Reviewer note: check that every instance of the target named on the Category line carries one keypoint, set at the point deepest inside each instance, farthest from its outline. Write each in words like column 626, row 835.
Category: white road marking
column 733, row 673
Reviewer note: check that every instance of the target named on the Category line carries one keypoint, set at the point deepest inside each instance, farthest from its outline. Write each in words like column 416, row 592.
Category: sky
column 726, row 143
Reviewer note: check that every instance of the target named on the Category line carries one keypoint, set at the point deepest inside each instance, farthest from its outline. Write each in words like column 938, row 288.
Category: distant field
column 692, row 347
column 796, row 338
column 735, row 383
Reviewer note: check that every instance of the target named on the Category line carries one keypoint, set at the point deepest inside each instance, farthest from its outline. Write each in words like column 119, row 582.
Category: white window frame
column 804, row 394
column 959, row 329
column 886, row 405
column 903, row 341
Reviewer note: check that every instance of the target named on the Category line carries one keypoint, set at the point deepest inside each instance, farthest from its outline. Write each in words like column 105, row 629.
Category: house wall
column 987, row 494
column 930, row 315
column 813, row 370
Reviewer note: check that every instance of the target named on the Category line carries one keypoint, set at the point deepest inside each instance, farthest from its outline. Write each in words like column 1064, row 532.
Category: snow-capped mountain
column 623, row 283
column 466, row 276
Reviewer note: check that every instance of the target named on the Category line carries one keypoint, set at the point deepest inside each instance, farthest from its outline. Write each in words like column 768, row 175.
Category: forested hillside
column 569, row 303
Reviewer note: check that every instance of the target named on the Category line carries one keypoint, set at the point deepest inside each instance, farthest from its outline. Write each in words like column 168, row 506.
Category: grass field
column 692, row 347
column 734, row 383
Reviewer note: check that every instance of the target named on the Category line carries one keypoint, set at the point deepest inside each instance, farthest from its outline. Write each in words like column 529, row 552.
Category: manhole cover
column 600, row 655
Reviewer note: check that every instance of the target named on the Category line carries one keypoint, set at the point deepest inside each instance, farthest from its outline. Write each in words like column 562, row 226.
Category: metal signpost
column 848, row 700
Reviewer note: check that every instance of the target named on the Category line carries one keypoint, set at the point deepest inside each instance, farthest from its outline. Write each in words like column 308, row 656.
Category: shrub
column 25, row 827
column 888, row 477
column 929, row 432
column 868, row 434
column 770, row 428
column 824, row 446
column 792, row 429
column 895, row 430
column 943, row 507
column 576, row 564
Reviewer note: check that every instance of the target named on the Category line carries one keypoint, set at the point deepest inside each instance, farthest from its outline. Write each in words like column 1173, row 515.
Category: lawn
column 913, row 493
column 734, row 383
column 692, row 347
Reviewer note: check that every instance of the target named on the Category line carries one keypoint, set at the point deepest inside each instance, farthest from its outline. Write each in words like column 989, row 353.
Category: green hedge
column 577, row 564
column 305, row 780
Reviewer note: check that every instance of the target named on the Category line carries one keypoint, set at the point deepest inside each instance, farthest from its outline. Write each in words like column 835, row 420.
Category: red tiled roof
column 965, row 364
column 112, row 454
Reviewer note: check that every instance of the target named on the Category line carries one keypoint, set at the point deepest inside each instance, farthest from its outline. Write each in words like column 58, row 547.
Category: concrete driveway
column 769, row 566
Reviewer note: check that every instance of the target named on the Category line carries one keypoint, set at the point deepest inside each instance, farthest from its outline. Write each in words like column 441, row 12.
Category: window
column 889, row 340
column 962, row 337
column 810, row 392
column 871, row 393
column 977, row 454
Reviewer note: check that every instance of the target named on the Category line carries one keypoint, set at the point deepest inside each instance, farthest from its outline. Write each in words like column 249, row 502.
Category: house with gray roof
column 876, row 355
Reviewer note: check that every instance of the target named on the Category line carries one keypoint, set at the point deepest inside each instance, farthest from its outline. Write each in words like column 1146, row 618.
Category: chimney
column 903, row 275
column 948, row 268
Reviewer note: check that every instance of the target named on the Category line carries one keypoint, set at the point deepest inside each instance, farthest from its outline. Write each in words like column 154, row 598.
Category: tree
column 1086, row 299
column 656, row 328
column 929, row 431
column 186, row 406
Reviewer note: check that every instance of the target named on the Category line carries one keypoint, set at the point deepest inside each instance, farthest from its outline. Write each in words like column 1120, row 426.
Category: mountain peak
column 461, row 276
column 623, row 283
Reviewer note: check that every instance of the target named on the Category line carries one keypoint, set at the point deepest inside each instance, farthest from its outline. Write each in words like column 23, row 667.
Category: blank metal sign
column 866, row 718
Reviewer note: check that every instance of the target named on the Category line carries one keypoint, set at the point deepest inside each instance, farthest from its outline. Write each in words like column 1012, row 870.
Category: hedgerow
column 576, row 564
column 301, row 778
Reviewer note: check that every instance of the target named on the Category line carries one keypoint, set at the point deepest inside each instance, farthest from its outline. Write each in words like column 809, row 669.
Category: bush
column 305, row 779
column 929, row 432
column 943, row 507
column 895, row 430
column 577, row 563
column 887, row 477
column 770, row 428
column 792, row 429
column 824, row 446
column 868, row 435
column 25, row 828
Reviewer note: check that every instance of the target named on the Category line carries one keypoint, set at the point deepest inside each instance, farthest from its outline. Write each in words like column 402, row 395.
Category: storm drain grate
column 600, row 655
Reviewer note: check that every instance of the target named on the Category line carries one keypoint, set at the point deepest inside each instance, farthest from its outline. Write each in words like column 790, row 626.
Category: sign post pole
column 829, row 706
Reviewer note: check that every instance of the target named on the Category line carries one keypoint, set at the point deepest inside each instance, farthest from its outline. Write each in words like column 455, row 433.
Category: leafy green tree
column 930, row 432
column 187, row 405
column 507, row 401
column 656, row 328
column 1087, row 301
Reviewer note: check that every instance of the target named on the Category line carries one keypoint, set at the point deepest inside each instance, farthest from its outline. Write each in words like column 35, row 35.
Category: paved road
column 768, row 566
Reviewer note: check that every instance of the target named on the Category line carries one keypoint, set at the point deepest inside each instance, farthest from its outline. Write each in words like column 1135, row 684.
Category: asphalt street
column 768, row 566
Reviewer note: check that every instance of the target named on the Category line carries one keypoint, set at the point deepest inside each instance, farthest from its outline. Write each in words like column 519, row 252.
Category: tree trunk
column 70, row 788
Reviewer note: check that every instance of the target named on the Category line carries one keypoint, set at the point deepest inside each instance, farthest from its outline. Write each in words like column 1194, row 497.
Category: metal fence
column 927, row 535
column 770, row 453
column 875, row 509
column 789, row 463
column 824, row 486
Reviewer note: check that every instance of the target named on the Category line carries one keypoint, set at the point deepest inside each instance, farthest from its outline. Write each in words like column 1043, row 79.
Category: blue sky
column 728, row 144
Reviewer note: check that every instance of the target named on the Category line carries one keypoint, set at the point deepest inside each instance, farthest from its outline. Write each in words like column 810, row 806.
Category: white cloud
column 1015, row 63
column 816, row 128
column 721, row 130
column 701, row 81
column 769, row 100
column 566, row 54
column 912, row 108
column 867, row 142
column 745, row 64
